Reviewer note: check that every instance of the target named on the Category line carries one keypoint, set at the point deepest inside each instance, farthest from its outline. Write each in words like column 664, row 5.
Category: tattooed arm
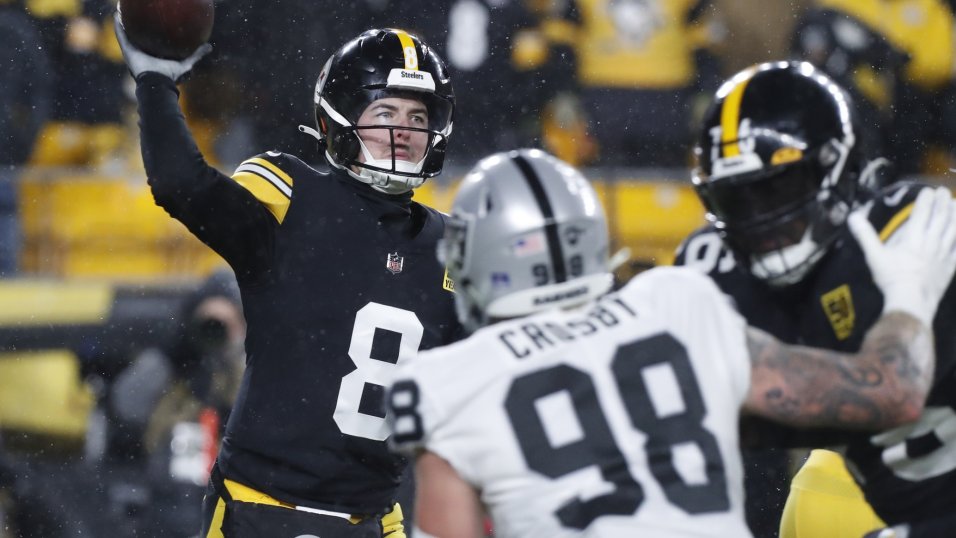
column 883, row 386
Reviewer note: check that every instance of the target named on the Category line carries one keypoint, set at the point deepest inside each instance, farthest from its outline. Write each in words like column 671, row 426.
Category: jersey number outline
column 374, row 373
column 596, row 446
column 921, row 450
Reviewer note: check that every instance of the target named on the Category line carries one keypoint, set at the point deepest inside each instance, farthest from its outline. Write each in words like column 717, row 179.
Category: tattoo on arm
column 883, row 385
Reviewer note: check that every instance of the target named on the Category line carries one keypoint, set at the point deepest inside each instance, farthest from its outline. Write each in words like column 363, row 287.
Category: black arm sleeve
column 216, row 209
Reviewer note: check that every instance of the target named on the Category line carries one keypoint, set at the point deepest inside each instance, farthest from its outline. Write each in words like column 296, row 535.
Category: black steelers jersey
column 339, row 283
column 908, row 473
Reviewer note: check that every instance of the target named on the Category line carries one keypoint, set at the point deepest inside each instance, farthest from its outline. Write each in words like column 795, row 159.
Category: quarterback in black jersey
column 779, row 172
column 338, row 278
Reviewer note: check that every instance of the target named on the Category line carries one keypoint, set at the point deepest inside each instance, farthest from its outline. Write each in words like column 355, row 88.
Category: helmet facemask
column 349, row 139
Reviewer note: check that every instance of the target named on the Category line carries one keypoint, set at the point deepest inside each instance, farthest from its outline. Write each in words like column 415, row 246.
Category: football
column 171, row 29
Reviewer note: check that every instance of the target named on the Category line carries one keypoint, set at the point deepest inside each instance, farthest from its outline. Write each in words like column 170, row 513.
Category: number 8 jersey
column 613, row 419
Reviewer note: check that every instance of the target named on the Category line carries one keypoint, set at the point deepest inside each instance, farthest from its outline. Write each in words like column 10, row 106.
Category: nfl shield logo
column 394, row 263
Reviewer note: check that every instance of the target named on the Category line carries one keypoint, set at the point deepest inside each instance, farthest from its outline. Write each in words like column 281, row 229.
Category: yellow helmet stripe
column 895, row 222
column 730, row 116
column 408, row 48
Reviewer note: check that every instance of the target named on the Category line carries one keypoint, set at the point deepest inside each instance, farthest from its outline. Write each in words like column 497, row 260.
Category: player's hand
column 915, row 266
column 139, row 62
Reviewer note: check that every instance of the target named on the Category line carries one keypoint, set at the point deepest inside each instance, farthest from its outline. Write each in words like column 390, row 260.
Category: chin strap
column 378, row 180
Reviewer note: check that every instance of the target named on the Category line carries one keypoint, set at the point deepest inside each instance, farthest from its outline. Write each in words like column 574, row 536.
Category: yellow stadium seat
column 42, row 393
column 652, row 217
column 105, row 227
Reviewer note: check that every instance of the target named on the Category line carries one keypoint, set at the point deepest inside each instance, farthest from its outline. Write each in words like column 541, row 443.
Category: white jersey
column 616, row 419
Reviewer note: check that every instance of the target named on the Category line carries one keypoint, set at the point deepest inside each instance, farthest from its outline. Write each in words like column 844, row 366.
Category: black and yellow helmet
column 778, row 167
column 383, row 63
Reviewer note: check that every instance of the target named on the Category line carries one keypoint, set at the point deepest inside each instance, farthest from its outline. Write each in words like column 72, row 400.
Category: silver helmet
column 527, row 233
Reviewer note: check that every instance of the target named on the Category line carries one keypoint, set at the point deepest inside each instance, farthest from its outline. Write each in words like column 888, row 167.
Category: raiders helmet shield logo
column 394, row 263
column 838, row 306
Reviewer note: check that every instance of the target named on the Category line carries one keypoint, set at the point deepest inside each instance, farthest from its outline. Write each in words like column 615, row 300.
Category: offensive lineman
column 615, row 414
column 338, row 278
column 779, row 172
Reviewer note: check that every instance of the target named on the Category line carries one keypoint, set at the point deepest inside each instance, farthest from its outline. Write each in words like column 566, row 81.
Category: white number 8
column 373, row 316
column 411, row 58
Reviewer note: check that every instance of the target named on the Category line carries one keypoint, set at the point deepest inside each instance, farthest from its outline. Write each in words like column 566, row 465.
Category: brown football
column 171, row 29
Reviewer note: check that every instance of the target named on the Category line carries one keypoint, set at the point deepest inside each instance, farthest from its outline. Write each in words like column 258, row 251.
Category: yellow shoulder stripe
column 268, row 183
column 895, row 222
column 272, row 168
column 275, row 200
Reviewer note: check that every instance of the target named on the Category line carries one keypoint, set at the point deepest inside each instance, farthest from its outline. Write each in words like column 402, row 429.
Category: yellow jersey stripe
column 408, row 47
column 242, row 493
column 37, row 304
column 266, row 192
column 266, row 174
column 895, row 222
column 730, row 118
column 273, row 168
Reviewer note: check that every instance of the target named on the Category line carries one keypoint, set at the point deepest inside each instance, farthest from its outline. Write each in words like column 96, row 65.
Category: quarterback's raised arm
column 216, row 209
column 885, row 384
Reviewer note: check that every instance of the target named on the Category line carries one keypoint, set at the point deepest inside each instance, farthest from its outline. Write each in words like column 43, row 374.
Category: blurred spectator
column 896, row 58
column 496, row 105
column 756, row 31
column 213, row 93
column 278, row 72
column 497, row 101
column 86, row 127
column 860, row 59
column 167, row 410
column 25, row 97
column 639, row 64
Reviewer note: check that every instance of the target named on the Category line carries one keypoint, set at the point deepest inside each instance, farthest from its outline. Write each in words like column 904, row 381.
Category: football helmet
column 526, row 233
column 378, row 64
column 778, row 167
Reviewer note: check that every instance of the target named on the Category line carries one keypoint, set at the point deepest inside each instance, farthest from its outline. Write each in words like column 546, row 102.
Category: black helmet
column 778, row 167
column 375, row 65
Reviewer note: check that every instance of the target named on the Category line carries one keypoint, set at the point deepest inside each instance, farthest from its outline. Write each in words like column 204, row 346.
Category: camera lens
column 209, row 333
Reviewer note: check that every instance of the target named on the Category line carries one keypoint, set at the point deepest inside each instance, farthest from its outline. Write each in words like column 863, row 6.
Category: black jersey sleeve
column 215, row 208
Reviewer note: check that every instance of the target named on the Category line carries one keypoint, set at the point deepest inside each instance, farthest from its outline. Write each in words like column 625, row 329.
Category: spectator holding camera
column 167, row 409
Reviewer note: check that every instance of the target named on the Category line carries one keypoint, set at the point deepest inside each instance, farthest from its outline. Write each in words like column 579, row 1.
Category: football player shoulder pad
column 269, row 177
